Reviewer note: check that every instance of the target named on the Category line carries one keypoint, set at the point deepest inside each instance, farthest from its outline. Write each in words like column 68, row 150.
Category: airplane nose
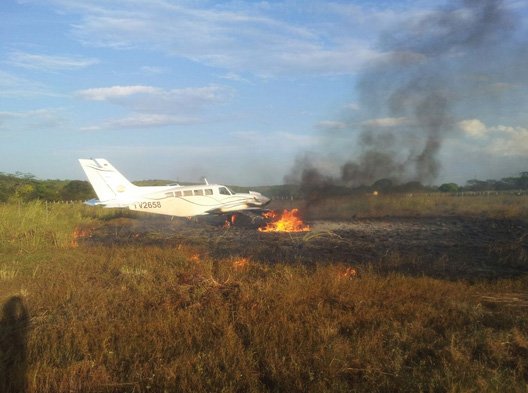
column 260, row 200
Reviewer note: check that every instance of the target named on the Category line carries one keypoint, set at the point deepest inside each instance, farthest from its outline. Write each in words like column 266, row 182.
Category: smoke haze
column 438, row 68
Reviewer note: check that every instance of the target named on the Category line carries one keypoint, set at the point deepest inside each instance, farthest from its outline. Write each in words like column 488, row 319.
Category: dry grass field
column 136, row 304
column 491, row 205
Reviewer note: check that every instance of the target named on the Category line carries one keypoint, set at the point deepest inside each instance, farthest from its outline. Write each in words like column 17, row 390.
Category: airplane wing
column 219, row 211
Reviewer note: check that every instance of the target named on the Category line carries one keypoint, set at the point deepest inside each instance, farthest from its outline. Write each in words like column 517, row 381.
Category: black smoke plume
column 435, row 68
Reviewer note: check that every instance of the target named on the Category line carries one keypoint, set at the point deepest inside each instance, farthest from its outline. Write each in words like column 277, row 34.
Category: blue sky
column 231, row 90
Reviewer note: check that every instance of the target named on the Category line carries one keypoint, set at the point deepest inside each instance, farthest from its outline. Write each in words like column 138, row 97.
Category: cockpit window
column 208, row 191
column 224, row 191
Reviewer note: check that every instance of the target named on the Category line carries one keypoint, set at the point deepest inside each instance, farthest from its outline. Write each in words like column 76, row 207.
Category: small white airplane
column 114, row 190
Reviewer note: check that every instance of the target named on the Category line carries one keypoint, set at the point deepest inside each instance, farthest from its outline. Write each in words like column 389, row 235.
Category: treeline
column 324, row 188
column 508, row 183
column 25, row 187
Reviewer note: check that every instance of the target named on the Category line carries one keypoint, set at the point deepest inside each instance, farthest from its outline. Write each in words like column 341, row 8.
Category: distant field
column 155, row 316
column 412, row 204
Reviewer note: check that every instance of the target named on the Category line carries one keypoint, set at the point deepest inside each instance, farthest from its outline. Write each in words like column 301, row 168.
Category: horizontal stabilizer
column 93, row 202
column 97, row 202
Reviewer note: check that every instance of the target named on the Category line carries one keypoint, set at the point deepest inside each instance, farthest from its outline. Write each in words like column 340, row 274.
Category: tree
column 77, row 190
column 449, row 187
column 382, row 185
column 49, row 190
column 523, row 180
column 412, row 186
column 24, row 192
column 476, row 185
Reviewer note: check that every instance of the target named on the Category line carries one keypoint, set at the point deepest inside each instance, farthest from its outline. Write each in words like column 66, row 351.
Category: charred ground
column 449, row 247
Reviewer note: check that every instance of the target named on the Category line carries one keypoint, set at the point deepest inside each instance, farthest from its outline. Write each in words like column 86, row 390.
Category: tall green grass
column 36, row 225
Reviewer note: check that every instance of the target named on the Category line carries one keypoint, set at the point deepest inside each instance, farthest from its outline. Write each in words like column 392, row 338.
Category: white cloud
column 236, row 36
column 331, row 125
column 44, row 118
column 149, row 120
column 386, row 122
column 108, row 93
column 4, row 116
column 497, row 140
column 154, row 98
column 275, row 140
column 232, row 76
column 473, row 127
column 249, row 136
column 49, row 63
column 153, row 70
column 149, row 98
column 15, row 86
column 372, row 18
column 154, row 106
column 298, row 139
column 352, row 106
column 509, row 141
column 142, row 120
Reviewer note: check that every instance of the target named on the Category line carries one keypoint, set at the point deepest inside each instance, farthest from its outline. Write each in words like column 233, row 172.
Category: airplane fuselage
column 115, row 191
column 184, row 201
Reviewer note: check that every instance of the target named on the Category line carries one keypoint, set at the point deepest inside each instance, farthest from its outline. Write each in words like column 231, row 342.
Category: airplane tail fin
column 106, row 181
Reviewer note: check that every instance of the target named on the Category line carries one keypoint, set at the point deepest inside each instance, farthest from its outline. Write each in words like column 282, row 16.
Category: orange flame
column 350, row 272
column 78, row 234
column 287, row 222
column 240, row 263
column 269, row 214
column 230, row 221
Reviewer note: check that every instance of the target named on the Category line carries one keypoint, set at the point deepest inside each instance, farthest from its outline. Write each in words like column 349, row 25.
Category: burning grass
column 288, row 221
column 80, row 233
column 139, row 318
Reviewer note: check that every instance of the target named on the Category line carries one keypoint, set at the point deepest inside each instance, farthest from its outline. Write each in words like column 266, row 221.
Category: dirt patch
column 448, row 247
